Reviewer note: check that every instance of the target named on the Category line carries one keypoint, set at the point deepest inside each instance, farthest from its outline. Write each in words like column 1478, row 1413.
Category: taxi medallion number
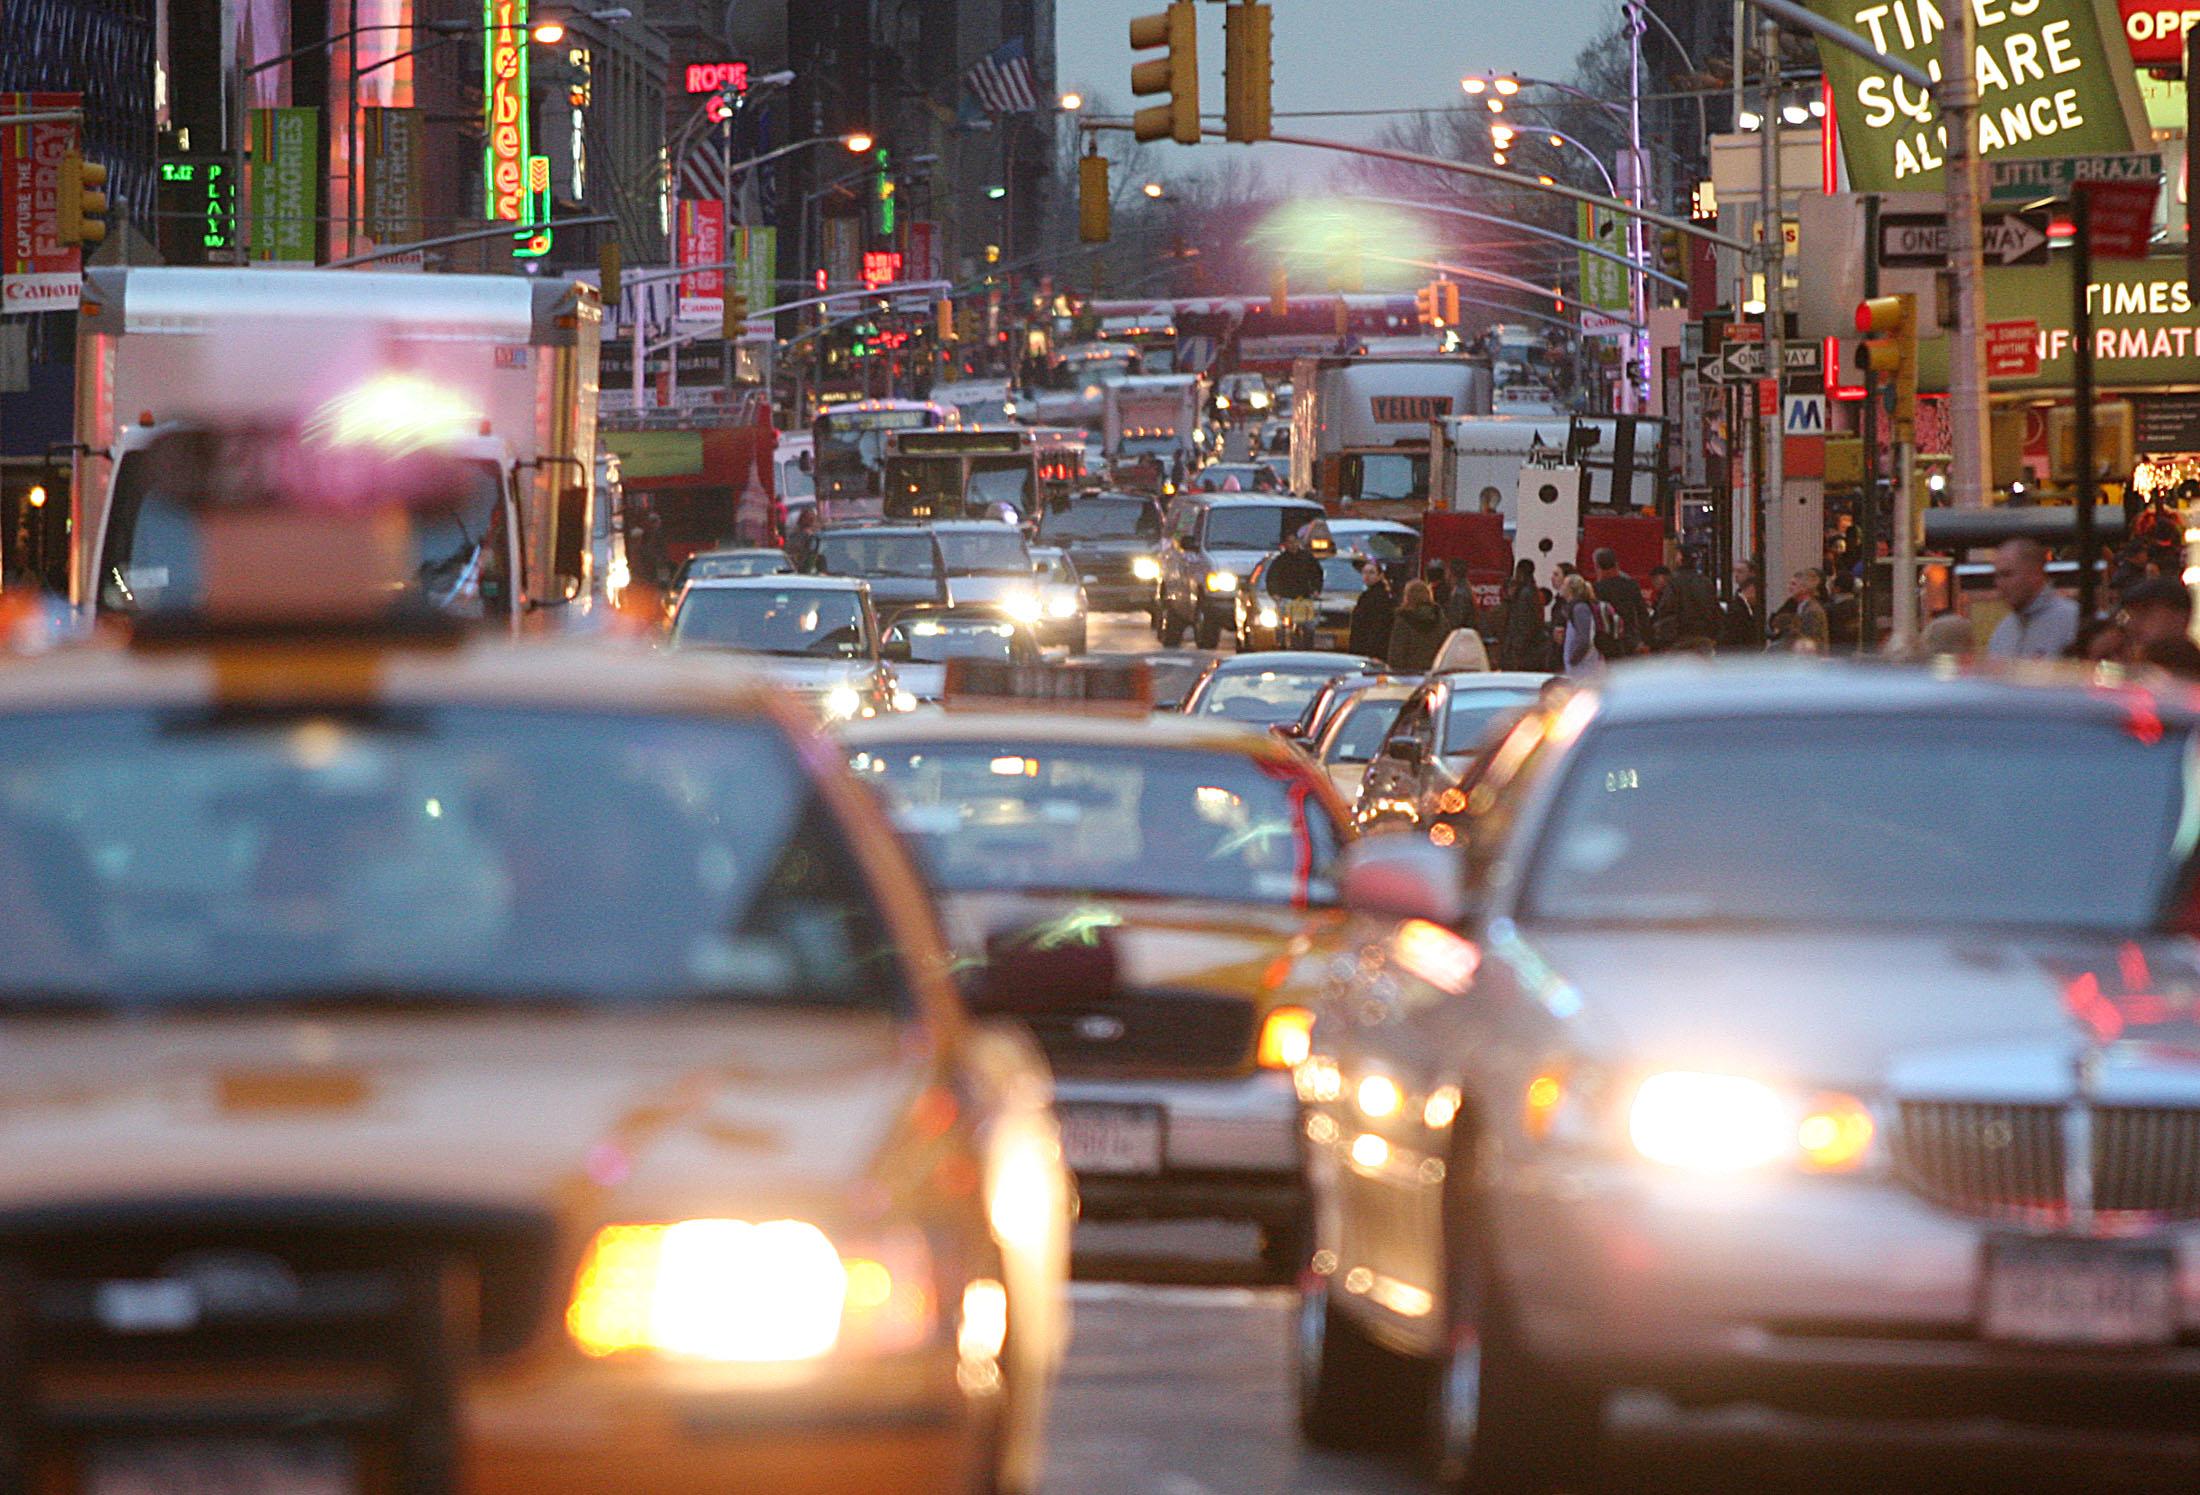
column 1104, row 1139
column 2055, row 1291
column 223, row 1466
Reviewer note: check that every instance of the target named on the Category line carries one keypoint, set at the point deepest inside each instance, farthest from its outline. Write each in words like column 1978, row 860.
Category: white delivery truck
column 1477, row 459
column 1360, row 428
column 191, row 377
column 1151, row 416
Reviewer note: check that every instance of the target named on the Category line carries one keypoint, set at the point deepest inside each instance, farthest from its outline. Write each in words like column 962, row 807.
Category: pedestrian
column 1617, row 589
column 1577, row 607
column 1801, row 627
column 1844, row 615
column 802, row 544
column 1653, row 589
column 2158, row 627
column 2042, row 622
column 1417, row 632
column 1439, row 584
column 1523, row 643
column 1373, row 614
column 1460, row 609
column 1948, row 635
column 1744, row 628
column 1687, row 615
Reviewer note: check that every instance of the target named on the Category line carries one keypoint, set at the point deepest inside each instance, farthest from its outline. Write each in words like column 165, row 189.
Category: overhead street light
column 1072, row 102
column 858, row 142
column 1153, row 189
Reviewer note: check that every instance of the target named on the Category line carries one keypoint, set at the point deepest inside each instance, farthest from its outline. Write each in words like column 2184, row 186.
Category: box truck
column 1360, row 428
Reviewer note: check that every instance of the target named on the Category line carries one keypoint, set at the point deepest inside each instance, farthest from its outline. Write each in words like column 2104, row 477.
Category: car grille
column 1105, row 570
column 1149, row 1032
column 2008, row 1161
column 313, row 1280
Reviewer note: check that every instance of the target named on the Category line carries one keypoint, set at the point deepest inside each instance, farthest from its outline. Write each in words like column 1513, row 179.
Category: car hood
column 967, row 589
column 734, row 1110
column 1980, row 1015
column 1240, row 561
column 1187, row 944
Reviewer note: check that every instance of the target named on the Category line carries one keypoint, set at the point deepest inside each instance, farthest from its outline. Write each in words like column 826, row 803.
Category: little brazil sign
column 2054, row 79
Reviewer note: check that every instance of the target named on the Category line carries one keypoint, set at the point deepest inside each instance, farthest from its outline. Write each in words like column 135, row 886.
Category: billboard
column 392, row 164
column 285, row 184
column 504, row 104
column 1603, row 282
column 702, row 241
column 2054, row 79
column 39, row 272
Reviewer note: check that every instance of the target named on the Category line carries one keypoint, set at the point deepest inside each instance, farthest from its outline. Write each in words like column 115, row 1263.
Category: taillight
column 1286, row 1038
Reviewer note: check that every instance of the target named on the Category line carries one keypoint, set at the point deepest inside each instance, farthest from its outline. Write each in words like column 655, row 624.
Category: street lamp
column 857, row 142
column 1072, row 102
column 1153, row 189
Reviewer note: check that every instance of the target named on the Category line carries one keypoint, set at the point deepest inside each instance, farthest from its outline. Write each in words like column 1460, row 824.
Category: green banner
column 286, row 145
column 757, row 249
column 2054, row 79
column 1603, row 281
column 2146, row 325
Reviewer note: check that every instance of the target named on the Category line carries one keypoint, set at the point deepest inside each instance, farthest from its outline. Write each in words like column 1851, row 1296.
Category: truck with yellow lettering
column 1360, row 427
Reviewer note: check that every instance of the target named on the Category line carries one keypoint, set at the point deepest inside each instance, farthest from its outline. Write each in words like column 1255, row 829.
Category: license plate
column 2077, row 1292
column 222, row 1466
column 1111, row 1139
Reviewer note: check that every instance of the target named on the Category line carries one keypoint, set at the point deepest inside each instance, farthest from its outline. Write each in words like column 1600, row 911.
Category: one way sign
column 2013, row 238
column 1919, row 241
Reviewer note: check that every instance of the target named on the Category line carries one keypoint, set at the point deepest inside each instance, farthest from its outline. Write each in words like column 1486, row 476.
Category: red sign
column 1768, row 397
column 710, row 77
column 880, row 267
column 2012, row 350
column 923, row 259
column 2121, row 216
column 702, row 242
column 37, row 271
column 2156, row 30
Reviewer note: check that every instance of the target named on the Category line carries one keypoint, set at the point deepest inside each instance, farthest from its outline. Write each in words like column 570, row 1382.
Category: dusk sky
column 1340, row 54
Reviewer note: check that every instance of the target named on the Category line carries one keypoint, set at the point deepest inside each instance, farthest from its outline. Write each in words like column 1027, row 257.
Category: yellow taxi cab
column 1191, row 858
column 437, row 1062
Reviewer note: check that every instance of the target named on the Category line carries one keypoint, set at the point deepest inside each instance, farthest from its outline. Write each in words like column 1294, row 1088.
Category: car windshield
column 859, row 554
column 772, row 620
column 1361, row 729
column 1134, row 821
column 937, row 640
column 1260, row 696
column 998, row 552
column 1256, row 526
column 1379, row 544
column 999, row 480
column 795, row 483
column 1100, row 516
column 161, row 859
column 1470, row 713
column 1861, row 821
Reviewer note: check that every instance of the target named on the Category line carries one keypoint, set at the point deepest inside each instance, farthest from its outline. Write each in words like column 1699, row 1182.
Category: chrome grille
column 2007, row 1161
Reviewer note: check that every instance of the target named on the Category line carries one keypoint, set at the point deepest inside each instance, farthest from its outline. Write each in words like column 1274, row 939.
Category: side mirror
column 1023, row 975
column 1404, row 877
column 1410, row 750
column 895, row 650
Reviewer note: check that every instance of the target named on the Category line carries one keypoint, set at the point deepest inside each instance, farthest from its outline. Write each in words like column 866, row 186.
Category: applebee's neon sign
column 504, row 95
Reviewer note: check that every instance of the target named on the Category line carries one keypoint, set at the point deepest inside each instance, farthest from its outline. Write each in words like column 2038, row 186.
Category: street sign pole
column 1958, row 104
column 1867, row 587
column 1772, row 491
column 2081, row 324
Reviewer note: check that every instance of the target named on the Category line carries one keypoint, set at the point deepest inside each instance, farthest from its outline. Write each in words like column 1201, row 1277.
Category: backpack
column 1611, row 634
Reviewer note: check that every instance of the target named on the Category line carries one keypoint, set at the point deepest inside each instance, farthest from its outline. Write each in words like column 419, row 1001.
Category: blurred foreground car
column 439, row 1064
column 1815, row 1037
column 1355, row 732
column 1191, row 860
column 816, row 635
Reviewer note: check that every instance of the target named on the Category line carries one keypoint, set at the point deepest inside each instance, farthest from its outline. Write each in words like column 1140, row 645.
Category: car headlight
column 1222, row 581
column 905, row 700
column 843, row 702
column 1062, row 606
column 1022, row 606
column 1268, row 618
column 1258, row 399
column 754, row 1292
column 1709, row 1123
column 1222, row 402
column 1145, row 568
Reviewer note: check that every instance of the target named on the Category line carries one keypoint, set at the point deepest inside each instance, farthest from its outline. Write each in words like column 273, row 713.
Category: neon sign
column 504, row 101
column 720, row 78
column 881, row 267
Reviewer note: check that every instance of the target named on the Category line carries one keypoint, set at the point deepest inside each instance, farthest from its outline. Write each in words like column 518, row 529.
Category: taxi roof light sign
column 996, row 685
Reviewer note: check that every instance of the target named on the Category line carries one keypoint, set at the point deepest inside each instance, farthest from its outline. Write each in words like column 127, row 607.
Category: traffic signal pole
column 1969, row 473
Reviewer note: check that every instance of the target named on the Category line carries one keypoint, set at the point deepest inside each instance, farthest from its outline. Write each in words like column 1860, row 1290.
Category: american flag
column 1003, row 81
column 701, row 172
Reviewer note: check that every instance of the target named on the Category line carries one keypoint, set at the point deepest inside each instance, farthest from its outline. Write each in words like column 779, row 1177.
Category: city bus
column 966, row 473
column 849, row 446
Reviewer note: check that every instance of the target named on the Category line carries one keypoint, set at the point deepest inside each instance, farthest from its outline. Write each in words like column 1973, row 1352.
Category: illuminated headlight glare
column 727, row 1290
column 1145, row 568
column 1222, row 581
column 904, row 701
column 1268, row 618
column 1730, row 1124
column 842, row 702
column 1062, row 606
column 1022, row 606
column 1258, row 399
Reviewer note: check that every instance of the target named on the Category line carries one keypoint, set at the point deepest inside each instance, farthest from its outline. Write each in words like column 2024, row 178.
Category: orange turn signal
column 1286, row 1038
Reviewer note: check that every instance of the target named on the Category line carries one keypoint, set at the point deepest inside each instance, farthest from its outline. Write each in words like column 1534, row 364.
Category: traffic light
column 1094, row 212
column 1247, row 75
column 1176, row 74
column 1890, row 351
column 609, row 266
column 736, row 314
column 1428, row 307
column 1279, row 292
column 1672, row 253
column 1449, row 303
column 82, row 211
column 943, row 320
